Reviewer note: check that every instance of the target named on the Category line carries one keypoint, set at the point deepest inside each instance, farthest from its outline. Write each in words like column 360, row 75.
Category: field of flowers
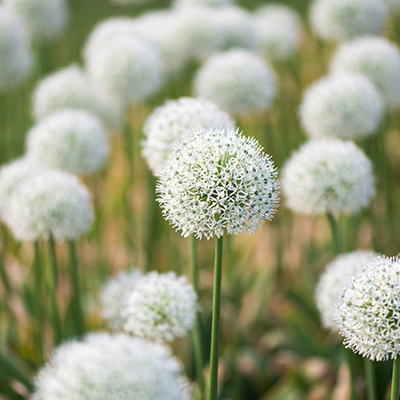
column 199, row 199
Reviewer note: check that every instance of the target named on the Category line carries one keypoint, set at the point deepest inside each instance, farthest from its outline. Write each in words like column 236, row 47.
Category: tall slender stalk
column 369, row 368
column 76, row 295
column 335, row 234
column 215, row 328
column 395, row 380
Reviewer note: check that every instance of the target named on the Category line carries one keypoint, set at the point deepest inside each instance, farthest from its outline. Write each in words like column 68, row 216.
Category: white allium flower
column 343, row 19
column 344, row 106
column 237, row 81
column 376, row 58
column 51, row 202
column 161, row 307
column 45, row 19
column 127, row 70
column 217, row 182
column 115, row 295
column 71, row 140
column 332, row 281
column 368, row 310
column 328, row 177
column 176, row 118
column 111, row 367
column 207, row 3
column 278, row 30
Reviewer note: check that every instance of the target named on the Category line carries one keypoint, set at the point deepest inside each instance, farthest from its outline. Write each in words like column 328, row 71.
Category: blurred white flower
column 328, row 177
column 217, row 182
column 176, row 118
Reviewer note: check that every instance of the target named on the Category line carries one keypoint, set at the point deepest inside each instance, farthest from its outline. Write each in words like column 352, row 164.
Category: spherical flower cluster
column 328, row 177
column 237, row 81
column 368, row 310
column 278, row 30
column 343, row 19
column 71, row 140
column 376, row 58
column 111, row 367
column 45, row 19
column 115, row 294
column 170, row 122
column 207, row 3
column 15, row 55
column 217, row 182
column 344, row 106
column 332, row 281
column 161, row 307
column 51, row 202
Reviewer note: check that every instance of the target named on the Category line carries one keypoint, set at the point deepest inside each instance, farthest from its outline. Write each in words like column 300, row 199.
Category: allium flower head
column 45, row 19
column 51, row 202
column 71, row 140
column 333, row 279
column 161, row 307
column 176, row 118
column 342, row 19
column 111, row 367
column 344, row 106
column 376, row 58
column 115, row 295
column 217, row 182
column 237, row 81
column 278, row 30
column 368, row 310
column 328, row 177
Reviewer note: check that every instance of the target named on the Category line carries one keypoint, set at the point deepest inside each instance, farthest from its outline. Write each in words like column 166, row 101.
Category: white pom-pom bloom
column 343, row 19
column 161, row 307
column 376, row 58
column 128, row 71
column 115, row 295
column 111, row 367
column 170, row 122
column 53, row 202
column 71, row 140
column 237, row 81
column 207, row 3
column 278, row 30
column 344, row 106
column 328, row 177
column 368, row 310
column 45, row 19
column 333, row 279
column 217, row 182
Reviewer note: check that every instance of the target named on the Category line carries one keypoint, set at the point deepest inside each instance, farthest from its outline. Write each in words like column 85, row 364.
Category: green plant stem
column 335, row 234
column 215, row 328
column 348, row 354
column 394, row 395
column 12, row 367
column 76, row 295
column 369, row 368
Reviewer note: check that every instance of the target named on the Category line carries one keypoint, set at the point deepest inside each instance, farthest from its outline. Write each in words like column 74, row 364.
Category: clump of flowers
column 176, row 118
column 368, row 310
column 218, row 181
column 111, row 367
column 161, row 307
column 238, row 81
column 328, row 177
column 333, row 279
column 344, row 106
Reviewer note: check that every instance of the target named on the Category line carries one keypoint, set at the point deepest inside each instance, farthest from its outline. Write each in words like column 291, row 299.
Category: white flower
column 345, row 106
column 343, row 19
column 278, row 30
column 217, row 182
column 50, row 202
column 376, row 58
column 332, row 281
column 45, row 19
column 328, row 177
column 115, row 294
column 111, row 367
column 368, row 310
column 207, row 3
column 176, row 118
column 238, row 81
column 161, row 307
column 71, row 140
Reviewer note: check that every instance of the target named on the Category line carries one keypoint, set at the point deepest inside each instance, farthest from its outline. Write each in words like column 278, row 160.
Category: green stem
column 335, row 234
column 12, row 367
column 129, row 144
column 348, row 355
column 369, row 368
column 215, row 328
column 395, row 379
column 37, row 267
column 76, row 296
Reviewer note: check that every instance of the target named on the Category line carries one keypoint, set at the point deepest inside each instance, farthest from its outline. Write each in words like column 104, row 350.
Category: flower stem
column 369, row 368
column 76, row 299
column 215, row 328
column 335, row 234
column 395, row 379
